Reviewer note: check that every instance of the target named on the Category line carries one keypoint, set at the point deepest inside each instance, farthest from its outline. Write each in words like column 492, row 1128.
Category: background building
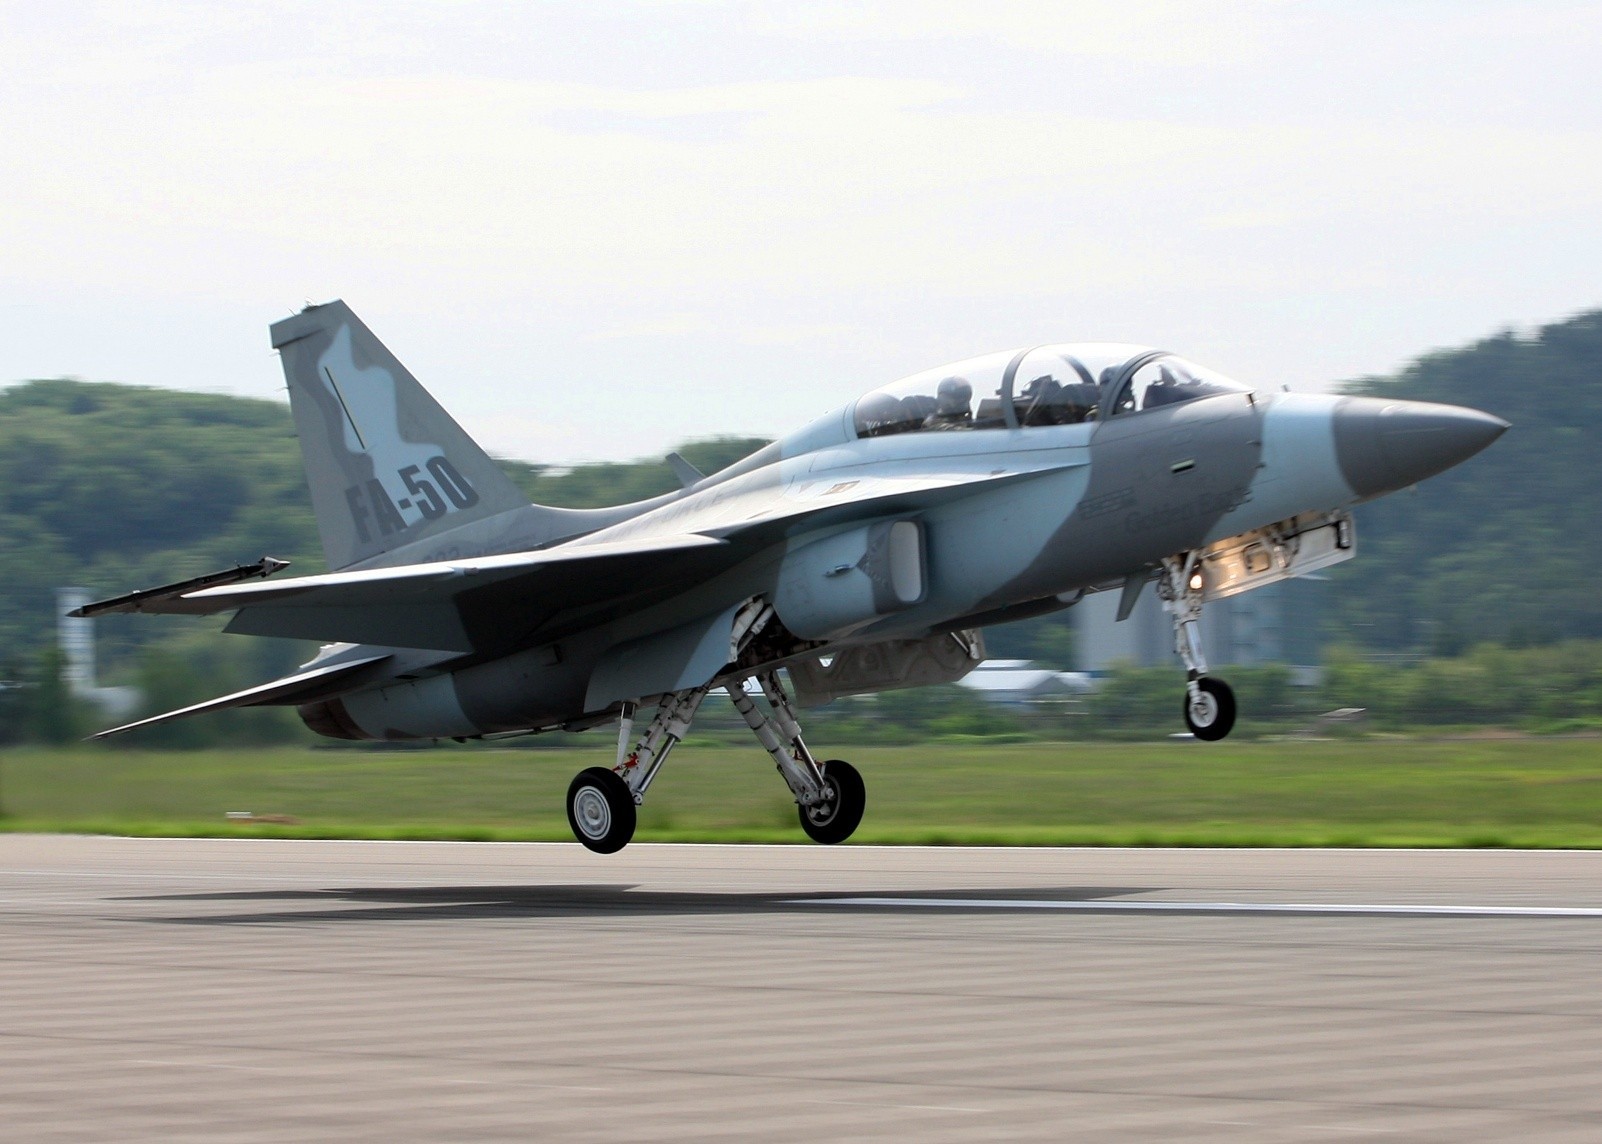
column 1281, row 623
column 76, row 636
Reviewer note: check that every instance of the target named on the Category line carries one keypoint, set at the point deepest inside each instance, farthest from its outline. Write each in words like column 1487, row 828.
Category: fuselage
column 878, row 522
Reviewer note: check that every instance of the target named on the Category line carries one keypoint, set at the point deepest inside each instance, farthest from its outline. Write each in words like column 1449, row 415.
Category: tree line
column 1551, row 689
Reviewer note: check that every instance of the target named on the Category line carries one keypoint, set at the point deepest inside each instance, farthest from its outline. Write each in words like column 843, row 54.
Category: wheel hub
column 593, row 813
column 823, row 811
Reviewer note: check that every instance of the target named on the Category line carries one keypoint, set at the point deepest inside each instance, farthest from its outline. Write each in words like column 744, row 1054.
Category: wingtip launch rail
column 156, row 600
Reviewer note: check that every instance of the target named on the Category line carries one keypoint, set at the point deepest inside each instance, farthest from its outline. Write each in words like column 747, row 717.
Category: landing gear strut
column 601, row 803
column 1209, row 702
column 830, row 797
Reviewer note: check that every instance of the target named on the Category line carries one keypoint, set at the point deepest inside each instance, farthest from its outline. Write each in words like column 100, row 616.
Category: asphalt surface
column 256, row 990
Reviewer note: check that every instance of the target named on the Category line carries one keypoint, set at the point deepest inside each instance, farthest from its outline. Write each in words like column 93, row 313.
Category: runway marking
column 1304, row 1127
column 300, row 1070
column 202, row 1065
column 881, row 1104
column 1359, row 1131
column 524, row 1084
column 1099, row 906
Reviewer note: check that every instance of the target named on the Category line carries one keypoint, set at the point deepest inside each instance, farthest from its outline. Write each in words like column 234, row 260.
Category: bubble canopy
column 1064, row 384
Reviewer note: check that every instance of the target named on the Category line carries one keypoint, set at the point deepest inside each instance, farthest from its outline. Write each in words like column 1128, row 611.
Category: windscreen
column 1164, row 379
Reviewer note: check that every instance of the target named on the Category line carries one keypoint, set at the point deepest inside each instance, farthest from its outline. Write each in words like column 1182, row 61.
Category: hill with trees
column 1496, row 550
column 114, row 487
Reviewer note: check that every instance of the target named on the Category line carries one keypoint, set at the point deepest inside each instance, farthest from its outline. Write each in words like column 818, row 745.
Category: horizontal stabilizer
column 291, row 689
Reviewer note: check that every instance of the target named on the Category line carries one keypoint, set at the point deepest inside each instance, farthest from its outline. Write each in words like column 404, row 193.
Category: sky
column 597, row 230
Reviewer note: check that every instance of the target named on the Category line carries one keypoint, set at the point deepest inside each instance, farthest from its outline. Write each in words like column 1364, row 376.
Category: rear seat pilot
column 953, row 401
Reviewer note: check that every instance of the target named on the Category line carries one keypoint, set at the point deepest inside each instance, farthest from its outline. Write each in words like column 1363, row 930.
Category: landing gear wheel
column 836, row 819
column 600, row 809
column 1212, row 713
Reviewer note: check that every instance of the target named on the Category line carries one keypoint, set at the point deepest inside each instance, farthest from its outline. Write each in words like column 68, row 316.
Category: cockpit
column 1049, row 385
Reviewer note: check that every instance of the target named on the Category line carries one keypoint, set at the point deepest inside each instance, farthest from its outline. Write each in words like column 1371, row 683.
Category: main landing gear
column 602, row 803
column 1209, row 702
column 829, row 797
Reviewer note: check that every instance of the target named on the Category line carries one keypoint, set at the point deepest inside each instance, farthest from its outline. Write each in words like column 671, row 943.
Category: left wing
column 490, row 605
column 473, row 605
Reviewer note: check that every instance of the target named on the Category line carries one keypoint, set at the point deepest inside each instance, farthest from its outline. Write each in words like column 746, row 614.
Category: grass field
column 1532, row 792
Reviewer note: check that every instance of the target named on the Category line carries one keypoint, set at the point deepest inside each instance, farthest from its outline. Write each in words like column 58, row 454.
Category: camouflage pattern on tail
column 386, row 465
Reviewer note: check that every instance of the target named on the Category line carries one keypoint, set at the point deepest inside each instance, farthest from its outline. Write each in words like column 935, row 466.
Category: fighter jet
column 863, row 552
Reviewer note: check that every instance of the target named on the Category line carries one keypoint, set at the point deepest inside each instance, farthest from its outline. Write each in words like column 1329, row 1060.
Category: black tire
column 838, row 818
column 600, row 809
column 1213, row 714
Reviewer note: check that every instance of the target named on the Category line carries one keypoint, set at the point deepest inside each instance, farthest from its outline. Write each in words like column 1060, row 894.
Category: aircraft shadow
column 445, row 903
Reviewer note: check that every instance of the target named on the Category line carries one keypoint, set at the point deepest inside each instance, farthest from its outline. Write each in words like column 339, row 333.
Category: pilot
column 1126, row 399
column 1166, row 390
column 1040, row 401
column 1080, row 402
column 953, row 398
column 878, row 415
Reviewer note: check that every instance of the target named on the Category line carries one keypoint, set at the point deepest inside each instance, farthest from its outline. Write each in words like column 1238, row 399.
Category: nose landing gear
column 1209, row 702
column 1209, row 708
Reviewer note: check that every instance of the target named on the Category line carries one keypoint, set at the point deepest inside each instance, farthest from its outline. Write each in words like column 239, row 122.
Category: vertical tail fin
column 386, row 465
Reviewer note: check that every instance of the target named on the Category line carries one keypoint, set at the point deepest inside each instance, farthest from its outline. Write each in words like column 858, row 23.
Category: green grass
column 1513, row 792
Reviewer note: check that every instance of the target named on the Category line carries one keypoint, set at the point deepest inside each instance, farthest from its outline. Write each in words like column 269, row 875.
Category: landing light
column 1196, row 581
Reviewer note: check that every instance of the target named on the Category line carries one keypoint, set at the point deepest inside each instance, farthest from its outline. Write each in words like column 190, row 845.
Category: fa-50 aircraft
column 860, row 553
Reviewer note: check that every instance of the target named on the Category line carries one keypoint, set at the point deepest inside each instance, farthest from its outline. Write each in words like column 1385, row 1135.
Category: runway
column 260, row 990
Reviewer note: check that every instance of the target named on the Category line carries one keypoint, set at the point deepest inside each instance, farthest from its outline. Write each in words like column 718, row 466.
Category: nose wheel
column 1209, row 702
column 1209, row 708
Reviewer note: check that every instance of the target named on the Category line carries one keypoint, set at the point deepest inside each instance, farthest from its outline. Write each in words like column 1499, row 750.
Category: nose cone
column 1386, row 445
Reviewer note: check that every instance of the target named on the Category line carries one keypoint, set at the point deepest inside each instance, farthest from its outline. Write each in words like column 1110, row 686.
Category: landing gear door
column 1290, row 548
column 865, row 668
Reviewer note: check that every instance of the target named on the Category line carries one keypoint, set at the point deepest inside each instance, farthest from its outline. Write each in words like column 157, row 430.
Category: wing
column 491, row 605
column 478, row 605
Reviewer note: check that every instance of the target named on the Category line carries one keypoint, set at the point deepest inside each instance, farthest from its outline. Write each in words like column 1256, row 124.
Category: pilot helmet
column 953, row 395
column 876, row 411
